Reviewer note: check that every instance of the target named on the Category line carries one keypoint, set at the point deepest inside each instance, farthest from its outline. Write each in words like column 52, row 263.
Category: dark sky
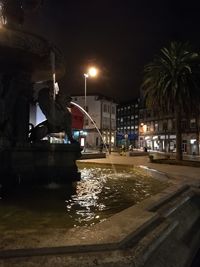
column 119, row 37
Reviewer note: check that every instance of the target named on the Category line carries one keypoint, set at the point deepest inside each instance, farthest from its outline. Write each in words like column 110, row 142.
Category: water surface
column 99, row 195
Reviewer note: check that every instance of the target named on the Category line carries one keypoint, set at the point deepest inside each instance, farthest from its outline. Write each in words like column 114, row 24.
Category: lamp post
column 92, row 72
column 86, row 76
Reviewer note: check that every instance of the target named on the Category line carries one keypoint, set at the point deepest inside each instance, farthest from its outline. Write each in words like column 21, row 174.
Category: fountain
column 26, row 59
column 162, row 230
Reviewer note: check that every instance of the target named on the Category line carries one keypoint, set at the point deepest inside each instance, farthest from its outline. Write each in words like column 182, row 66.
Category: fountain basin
column 160, row 231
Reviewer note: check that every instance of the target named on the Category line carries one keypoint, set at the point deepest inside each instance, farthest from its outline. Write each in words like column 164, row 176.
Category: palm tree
column 171, row 84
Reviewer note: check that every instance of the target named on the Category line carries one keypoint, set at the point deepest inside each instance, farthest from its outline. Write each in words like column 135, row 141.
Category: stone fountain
column 26, row 60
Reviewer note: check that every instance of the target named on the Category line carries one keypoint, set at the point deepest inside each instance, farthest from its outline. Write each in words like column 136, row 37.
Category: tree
column 171, row 84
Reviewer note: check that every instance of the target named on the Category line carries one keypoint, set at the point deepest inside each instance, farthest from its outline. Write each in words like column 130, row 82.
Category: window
column 105, row 108
column 192, row 123
column 165, row 126
column 156, row 126
column 86, row 108
column 183, row 124
column 113, row 124
column 113, row 110
column 148, row 127
column 148, row 114
column 173, row 124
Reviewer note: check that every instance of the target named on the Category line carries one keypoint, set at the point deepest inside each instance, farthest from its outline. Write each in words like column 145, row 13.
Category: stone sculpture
column 57, row 114
column 26, row 60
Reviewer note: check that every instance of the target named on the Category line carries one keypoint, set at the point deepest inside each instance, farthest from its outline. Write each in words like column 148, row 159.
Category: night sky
column 119, row 37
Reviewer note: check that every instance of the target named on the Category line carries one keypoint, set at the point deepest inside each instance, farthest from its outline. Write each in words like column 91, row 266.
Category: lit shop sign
column 83, row 133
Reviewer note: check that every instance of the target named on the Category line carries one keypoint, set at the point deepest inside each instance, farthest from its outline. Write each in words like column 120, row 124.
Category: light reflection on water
column 102, row 193
column 98, row 195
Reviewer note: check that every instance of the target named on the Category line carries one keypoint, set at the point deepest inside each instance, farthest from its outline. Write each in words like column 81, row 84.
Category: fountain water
column 88, row 115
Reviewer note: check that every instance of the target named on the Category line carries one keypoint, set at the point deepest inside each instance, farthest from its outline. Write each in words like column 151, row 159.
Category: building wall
column 157, row 132
column 93, row 109
column 128, row 123
column 103, row 112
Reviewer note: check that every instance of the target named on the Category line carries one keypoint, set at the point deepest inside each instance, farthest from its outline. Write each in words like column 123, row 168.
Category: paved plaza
column 179, row 172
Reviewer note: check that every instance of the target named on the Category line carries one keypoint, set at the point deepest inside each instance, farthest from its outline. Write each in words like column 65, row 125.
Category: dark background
column 119, row 37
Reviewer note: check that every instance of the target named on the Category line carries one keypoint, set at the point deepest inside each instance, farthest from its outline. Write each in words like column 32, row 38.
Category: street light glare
column 92, row 71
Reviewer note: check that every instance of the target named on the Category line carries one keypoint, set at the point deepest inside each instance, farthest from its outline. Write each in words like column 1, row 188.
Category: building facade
column 100, row 123
column 157, row 132
column 128, row 123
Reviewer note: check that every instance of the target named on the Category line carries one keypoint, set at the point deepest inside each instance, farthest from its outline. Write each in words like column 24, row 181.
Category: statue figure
column 57, row 114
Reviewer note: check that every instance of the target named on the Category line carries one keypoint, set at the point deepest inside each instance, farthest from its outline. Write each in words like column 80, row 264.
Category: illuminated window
column 156, row 126
column 192, row 123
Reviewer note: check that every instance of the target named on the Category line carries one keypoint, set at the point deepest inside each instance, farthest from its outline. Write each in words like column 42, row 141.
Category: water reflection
column 97, row 196
column 102, row 193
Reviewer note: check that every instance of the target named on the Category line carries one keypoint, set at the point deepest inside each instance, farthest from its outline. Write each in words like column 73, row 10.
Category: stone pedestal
column 40, row 163
column 25, row 59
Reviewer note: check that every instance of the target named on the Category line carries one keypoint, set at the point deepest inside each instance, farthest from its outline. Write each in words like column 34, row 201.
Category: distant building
column 157, row 132
column 128, row 123
column 102, row 111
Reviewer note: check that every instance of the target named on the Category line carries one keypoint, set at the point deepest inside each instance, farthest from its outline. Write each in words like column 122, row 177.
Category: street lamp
column 92, row 72
column 86, row 76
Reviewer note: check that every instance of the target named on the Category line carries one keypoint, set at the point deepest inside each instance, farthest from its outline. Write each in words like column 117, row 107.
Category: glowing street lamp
column 92, row 72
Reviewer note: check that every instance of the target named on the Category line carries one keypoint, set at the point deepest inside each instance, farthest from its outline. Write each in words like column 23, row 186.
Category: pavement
column 184, row 173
